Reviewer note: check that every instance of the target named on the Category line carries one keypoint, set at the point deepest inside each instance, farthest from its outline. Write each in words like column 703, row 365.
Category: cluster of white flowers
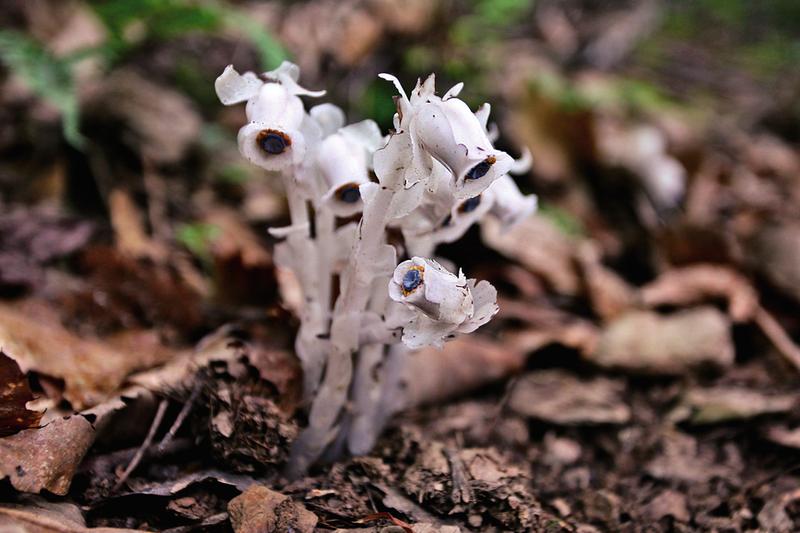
column 436, row 174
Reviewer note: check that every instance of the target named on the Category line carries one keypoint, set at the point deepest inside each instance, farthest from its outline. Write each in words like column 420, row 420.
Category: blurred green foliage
column 48, row 76
column 198, row 238
column 129, row 23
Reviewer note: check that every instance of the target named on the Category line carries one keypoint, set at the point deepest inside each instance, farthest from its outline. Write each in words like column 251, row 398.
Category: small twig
column 162, row 408
column 462, row 491
column 778, row 336
column 185, row 410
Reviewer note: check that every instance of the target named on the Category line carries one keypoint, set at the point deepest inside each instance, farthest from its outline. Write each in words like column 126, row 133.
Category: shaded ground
column 642, row 373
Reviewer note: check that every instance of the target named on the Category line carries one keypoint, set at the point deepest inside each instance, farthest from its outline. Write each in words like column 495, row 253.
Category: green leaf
column 48, row 76
column 198, row 238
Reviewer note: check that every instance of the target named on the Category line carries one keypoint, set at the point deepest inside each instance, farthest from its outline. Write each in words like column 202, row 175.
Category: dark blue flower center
column 480, row 170
column 470, row 204
column 412, row 280
column 272, row 142
column 349, row 193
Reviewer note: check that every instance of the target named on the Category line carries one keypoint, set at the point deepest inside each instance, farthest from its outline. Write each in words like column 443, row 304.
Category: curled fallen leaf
column 46, row 458
column 562, row 398
column 698, row 283
column 15, row 393
column 91, row 369
column 261, row 510
column 650, row 343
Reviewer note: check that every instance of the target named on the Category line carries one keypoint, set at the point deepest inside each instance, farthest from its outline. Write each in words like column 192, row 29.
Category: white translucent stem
column 332, row 394
column 367, row 381
column 309, row 347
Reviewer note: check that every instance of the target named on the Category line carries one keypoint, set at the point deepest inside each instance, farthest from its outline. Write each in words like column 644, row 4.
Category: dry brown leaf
column 160, row 122
column 463, row 365
column 699, row 283
column 559, row 397
column 773, row 252
column 15, row 393
column 47, row 457
column 649, row 343
column 34, row 514
column 261, row 510
column 551, row 258
column 728, row 403
column 608, row 293
column 91, row 369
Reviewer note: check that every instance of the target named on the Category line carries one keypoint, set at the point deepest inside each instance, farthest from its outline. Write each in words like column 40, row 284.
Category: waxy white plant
column 437, row 174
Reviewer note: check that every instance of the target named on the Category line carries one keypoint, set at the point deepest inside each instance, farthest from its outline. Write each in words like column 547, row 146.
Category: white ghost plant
column 433, row 177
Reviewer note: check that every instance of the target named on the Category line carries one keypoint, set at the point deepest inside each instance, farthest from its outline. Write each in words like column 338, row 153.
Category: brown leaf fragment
column 728, row 403
column 15, row 393
column 261, row 510
column 608, row 293
column 773, row 516
column 91, row 368
column 682, row 458
column 784, row 436
column 649, row 343
column 551, row 258
column 667, row 503
column 773, row 252
column 561, row 398
column 34, row 514
column 157, row 121
column 46, row 458
column 698, row 283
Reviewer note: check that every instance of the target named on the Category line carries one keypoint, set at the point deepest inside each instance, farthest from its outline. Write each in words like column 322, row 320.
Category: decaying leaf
column 551, row 258
column 160, row 122
column 261, row 510
column 649, row 343
column 15, row 393
column 682, row 458
column 559, row 397
column 46, row 458
column 91, row 369
column 773, row 251
column 33, row 514
column 697, row 283
column 729, row 403
column 608, row 293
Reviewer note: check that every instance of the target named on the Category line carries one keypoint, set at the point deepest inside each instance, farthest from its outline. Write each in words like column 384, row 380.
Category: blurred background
column 665, row 142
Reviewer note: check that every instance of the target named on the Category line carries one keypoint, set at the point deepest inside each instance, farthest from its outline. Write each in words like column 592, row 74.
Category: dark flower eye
column 480, row 170
column 273, row 142
column 412, row 279
column 470, row 204
column 348, row 193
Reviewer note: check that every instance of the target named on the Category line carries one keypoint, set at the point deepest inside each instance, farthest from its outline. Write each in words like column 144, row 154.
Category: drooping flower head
column 279, row 129
column 443, row 304
column 447, row 130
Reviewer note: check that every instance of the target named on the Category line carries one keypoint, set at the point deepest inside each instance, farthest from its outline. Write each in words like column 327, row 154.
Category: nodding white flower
column 447, row 130
column 279, row 128
column 444, row 304
column 510, row 205
column 456, row 137
column 344, row 160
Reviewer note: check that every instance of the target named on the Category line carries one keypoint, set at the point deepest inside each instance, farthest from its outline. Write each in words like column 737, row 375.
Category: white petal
column 523, row 164
column 275, row 105
column 484, row 296
column 454, row 91
column 287, row 74
column 329, row 117
column 233, row 88
column 423, row 331
column 365, row 133
column 482, row 114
